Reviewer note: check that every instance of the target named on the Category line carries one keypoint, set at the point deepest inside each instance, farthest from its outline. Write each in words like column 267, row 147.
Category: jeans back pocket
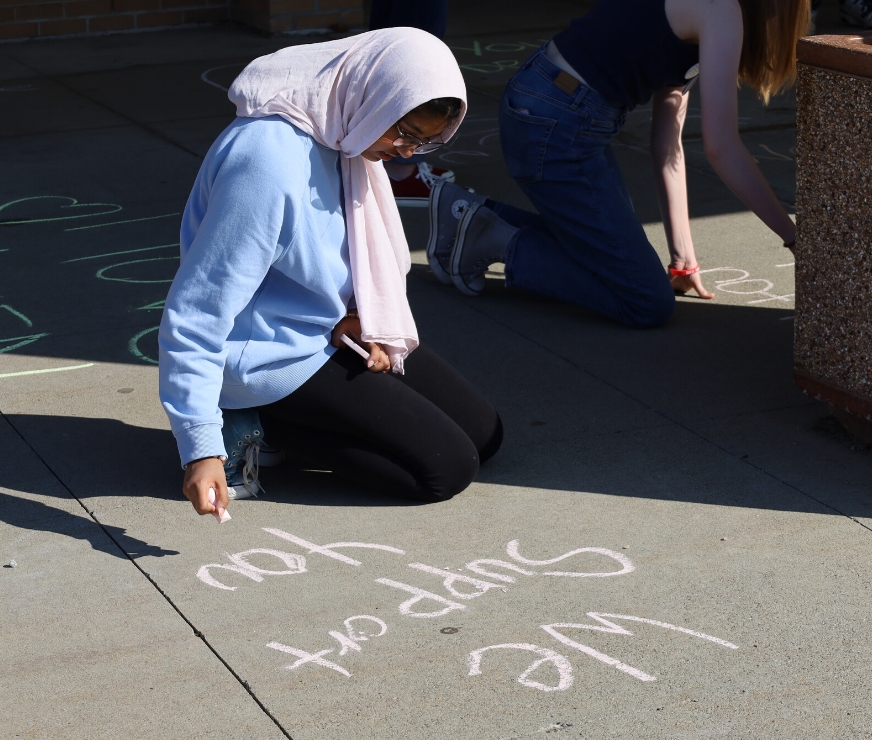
column 524, row 138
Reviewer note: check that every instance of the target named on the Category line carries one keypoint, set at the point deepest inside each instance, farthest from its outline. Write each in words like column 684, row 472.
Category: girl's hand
column 378, row 361
column 685, row 283
column 200, row 476
column 350, row 326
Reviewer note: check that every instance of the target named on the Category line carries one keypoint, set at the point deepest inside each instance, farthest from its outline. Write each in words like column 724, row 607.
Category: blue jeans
column 585, row 246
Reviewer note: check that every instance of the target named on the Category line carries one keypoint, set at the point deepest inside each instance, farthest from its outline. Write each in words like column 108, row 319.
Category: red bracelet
column 690, row 271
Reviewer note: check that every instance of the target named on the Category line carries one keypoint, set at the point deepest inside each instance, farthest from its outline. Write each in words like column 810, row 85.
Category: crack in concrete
column 197, row 633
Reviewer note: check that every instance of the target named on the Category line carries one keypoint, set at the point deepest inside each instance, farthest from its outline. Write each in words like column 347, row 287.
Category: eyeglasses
column 407, row 141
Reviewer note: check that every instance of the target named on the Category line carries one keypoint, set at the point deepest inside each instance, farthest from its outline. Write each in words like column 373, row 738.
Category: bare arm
column 670, row 110
column 720, row 46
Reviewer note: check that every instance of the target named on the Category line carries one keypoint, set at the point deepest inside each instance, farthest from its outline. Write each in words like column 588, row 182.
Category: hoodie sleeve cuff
column 203, row 440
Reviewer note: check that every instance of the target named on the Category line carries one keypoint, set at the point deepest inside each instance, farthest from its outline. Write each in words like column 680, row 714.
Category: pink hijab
column 346, row 94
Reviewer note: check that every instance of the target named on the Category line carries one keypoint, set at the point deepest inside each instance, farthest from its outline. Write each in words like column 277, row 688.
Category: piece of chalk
column 355, row 346
column 220, row 514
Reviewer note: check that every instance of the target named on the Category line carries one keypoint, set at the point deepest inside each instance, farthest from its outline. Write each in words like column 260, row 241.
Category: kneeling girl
column 291, row 238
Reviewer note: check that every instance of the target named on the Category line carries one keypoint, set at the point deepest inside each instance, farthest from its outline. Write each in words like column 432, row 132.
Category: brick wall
column 21, row 19
column 295, row 15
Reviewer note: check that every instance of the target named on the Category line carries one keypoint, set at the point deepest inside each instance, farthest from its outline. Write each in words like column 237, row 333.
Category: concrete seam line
column 178, row 611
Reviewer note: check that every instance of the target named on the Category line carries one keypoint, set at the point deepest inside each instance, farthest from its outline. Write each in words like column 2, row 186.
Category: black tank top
column 626, row 50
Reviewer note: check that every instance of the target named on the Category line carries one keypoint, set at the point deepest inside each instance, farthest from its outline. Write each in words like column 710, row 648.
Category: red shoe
column 414, row 190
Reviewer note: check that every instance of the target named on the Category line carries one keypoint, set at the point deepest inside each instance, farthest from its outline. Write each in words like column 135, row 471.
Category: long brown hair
column 772, row 28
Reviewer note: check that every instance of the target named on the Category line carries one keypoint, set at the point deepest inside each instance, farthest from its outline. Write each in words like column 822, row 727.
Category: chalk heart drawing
column 44, row 208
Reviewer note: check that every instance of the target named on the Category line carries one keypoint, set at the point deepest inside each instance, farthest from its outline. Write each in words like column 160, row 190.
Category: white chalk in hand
column 356, row 347
column 220, row 514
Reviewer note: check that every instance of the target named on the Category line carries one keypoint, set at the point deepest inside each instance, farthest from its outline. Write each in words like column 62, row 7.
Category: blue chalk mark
column 101, row 273
column 113, row 254
column 72, row 204
column 133, row 346
column 17, row 314
column 20, row 342
column 127, row 221
column 156, row 306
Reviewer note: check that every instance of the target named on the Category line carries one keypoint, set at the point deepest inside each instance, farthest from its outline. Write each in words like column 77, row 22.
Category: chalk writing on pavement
column 442, row 591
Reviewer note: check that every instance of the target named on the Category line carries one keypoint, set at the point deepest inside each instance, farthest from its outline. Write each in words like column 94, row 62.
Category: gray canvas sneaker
column 448, row 202
column 246, row 452
column 243, row 479
column 482, row 239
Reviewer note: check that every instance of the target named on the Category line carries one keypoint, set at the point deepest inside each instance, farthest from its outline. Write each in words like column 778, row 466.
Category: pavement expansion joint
column 197, row 633
column 620, row 444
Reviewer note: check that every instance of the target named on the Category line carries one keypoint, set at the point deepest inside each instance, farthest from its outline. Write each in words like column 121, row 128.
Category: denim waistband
column 584, row 93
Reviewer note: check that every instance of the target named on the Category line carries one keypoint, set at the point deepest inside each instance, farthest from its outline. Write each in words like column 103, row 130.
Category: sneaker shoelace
column 425, row 175
column 252, row 463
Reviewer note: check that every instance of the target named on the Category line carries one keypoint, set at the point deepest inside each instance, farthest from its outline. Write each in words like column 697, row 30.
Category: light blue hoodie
column 264, row 278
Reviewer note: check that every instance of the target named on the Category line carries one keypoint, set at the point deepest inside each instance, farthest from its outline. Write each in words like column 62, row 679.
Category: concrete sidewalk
column 673, row 541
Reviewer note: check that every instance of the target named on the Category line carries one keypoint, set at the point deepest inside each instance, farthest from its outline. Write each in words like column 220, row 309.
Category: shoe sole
column 456, row 253
column 438, row 270
column 412, row 202
column 235, row 493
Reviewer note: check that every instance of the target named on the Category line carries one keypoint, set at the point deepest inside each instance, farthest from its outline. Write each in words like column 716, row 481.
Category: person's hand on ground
column 378, row 361
column 685, row 283
column 200, row 476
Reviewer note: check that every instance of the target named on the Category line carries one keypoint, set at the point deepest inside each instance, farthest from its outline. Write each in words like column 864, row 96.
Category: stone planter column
column 833, row 325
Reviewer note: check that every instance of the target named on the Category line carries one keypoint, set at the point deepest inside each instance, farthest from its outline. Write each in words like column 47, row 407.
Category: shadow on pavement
column 636, row 463
column 39, row 517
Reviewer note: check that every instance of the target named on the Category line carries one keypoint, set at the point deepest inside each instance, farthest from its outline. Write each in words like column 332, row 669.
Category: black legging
column 421, row 435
